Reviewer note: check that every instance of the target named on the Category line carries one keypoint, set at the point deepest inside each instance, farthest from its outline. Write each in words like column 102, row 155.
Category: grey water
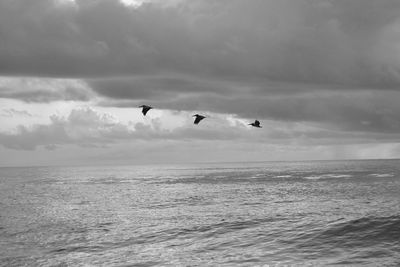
column 340, row 213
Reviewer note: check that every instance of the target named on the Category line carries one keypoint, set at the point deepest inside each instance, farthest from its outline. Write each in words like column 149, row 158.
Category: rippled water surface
column 253, row 214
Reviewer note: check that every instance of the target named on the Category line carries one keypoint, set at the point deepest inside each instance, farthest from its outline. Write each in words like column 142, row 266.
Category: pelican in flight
column 256, row 123
column 145, row 109
column 198, row 118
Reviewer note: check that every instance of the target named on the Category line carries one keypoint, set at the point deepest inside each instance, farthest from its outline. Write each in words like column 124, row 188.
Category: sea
column 312, row 213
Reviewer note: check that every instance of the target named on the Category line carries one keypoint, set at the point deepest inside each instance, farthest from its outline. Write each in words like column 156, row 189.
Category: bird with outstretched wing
column 145, row 109
column 198, row 118
column 256, row 124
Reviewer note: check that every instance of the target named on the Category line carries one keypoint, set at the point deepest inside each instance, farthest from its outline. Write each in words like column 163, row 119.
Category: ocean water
column 341, row 213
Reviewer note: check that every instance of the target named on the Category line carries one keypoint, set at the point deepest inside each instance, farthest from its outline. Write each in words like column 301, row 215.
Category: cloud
column 86, row 127
column 82, row 126
column 354, row 111
column 11, row 112
column 326, row 41
column 41, row 90
column 156, row 87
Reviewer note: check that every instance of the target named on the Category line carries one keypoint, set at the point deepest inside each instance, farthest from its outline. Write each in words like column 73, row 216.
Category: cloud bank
column 86, row 127
column 343, row 42
column 40, row 90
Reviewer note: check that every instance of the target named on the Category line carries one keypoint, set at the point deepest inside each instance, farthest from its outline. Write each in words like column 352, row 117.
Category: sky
column 322, row 76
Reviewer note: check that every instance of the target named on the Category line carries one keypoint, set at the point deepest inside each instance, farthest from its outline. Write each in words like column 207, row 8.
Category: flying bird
column 256, row 123
column 198, row 118
column 145, row 109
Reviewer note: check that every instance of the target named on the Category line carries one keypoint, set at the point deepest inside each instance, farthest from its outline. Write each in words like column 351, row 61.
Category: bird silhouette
column 256, row 123
column 145, row 109
column 198, row 118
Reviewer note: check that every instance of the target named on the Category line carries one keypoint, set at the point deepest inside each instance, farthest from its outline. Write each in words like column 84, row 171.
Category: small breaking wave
column 284, row 176
column 367, row 229
column 328, row 176
column 382, row 175
column 374, row 237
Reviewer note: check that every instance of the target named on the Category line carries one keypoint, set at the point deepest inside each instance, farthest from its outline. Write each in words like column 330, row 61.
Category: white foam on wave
column 284, row 176
column 382, row 175
column 328, row 176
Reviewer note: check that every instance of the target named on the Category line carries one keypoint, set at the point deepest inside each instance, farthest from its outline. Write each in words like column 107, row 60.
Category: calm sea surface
column 250, row 214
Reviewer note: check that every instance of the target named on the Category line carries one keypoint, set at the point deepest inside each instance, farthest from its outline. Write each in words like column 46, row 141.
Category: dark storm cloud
column 43, row 90
column 159, row 87
column 345, row 42
column 44, row 96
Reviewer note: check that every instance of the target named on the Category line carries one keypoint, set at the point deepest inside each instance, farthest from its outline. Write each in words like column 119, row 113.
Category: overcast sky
column 322, row 76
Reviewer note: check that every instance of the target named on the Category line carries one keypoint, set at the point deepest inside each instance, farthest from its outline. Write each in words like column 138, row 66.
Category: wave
column 382, row 175
column 228, row 178
column 367, row 229
column 328, row 176
column 359, row 240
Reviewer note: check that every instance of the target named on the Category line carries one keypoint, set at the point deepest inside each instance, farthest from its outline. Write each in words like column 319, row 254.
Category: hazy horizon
column 182, row 164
